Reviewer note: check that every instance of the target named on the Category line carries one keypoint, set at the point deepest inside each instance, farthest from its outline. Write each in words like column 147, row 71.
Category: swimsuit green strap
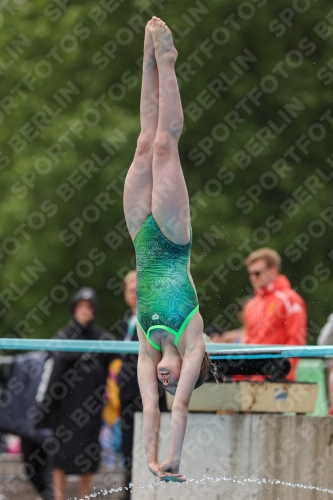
column 170, row 330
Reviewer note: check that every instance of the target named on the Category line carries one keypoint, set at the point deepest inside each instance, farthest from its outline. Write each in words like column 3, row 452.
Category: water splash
column 237, row 481
column 243, row 480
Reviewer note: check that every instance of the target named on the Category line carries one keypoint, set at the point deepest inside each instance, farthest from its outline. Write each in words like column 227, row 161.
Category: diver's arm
column 178, row 429
column 151, row 413
column 189, row 375
column 148, row 383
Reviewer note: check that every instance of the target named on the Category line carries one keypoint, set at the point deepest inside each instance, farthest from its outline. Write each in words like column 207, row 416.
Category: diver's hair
column 207, row 367
column 216, row 372
column 204, row 371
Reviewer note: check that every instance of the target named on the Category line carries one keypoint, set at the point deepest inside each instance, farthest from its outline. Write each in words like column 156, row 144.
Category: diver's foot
column 148, row 44
column 165, row 51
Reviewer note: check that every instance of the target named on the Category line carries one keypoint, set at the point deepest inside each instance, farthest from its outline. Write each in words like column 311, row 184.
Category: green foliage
column 76, row 70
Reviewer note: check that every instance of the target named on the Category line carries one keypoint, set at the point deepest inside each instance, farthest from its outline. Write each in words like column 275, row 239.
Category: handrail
column 216, row 351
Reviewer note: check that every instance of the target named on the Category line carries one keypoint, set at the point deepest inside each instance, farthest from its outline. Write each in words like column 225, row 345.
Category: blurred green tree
column 256, row 82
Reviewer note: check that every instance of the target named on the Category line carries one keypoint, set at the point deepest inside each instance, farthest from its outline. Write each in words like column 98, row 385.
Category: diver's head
column 169, row 368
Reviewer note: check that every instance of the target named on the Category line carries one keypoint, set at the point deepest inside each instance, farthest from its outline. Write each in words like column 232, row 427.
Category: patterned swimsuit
column 166, row 298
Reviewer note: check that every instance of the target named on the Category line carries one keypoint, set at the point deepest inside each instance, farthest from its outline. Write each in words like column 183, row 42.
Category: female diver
column 157, row 212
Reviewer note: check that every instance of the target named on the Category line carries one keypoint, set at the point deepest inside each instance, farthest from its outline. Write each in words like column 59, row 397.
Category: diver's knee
column 145, row 144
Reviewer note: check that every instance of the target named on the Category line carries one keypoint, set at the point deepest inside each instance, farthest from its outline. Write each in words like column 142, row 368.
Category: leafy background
column 95, row 48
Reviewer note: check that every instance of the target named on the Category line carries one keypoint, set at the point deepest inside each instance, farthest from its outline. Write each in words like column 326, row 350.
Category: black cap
column 84, row 293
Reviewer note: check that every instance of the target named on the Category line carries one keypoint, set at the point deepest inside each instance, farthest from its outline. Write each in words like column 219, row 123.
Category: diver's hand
column 156, row 470
column 170, row 469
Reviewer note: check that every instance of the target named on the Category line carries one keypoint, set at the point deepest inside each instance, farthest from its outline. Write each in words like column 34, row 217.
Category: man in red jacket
column 276, row 315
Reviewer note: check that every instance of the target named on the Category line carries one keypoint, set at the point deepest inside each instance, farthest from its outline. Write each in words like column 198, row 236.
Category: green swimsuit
column 165, row 296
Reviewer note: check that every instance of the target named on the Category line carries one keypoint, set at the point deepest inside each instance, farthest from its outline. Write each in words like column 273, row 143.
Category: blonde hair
column 130, row 276
column 270, row 256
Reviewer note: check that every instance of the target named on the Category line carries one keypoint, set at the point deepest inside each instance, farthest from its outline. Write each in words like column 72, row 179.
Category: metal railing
column 216, row 351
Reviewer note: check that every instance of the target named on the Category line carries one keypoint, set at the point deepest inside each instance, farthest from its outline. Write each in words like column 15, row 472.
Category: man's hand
column 170, row 469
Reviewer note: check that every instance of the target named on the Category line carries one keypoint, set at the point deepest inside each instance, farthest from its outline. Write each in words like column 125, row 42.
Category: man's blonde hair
column 130, row 276
column 270, row 256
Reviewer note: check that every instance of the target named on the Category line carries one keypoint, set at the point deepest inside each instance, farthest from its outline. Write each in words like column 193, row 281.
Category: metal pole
column 216, row 351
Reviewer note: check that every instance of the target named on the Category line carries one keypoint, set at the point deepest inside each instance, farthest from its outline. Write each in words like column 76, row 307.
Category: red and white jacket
column 276, row 315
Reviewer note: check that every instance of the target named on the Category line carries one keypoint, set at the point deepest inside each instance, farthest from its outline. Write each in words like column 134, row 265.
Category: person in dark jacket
column 70, row 398
column 130, row 399
column 16, row 417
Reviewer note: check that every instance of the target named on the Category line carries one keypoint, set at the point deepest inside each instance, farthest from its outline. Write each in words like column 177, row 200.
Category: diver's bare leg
column 170, row 203
column 139, row 179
